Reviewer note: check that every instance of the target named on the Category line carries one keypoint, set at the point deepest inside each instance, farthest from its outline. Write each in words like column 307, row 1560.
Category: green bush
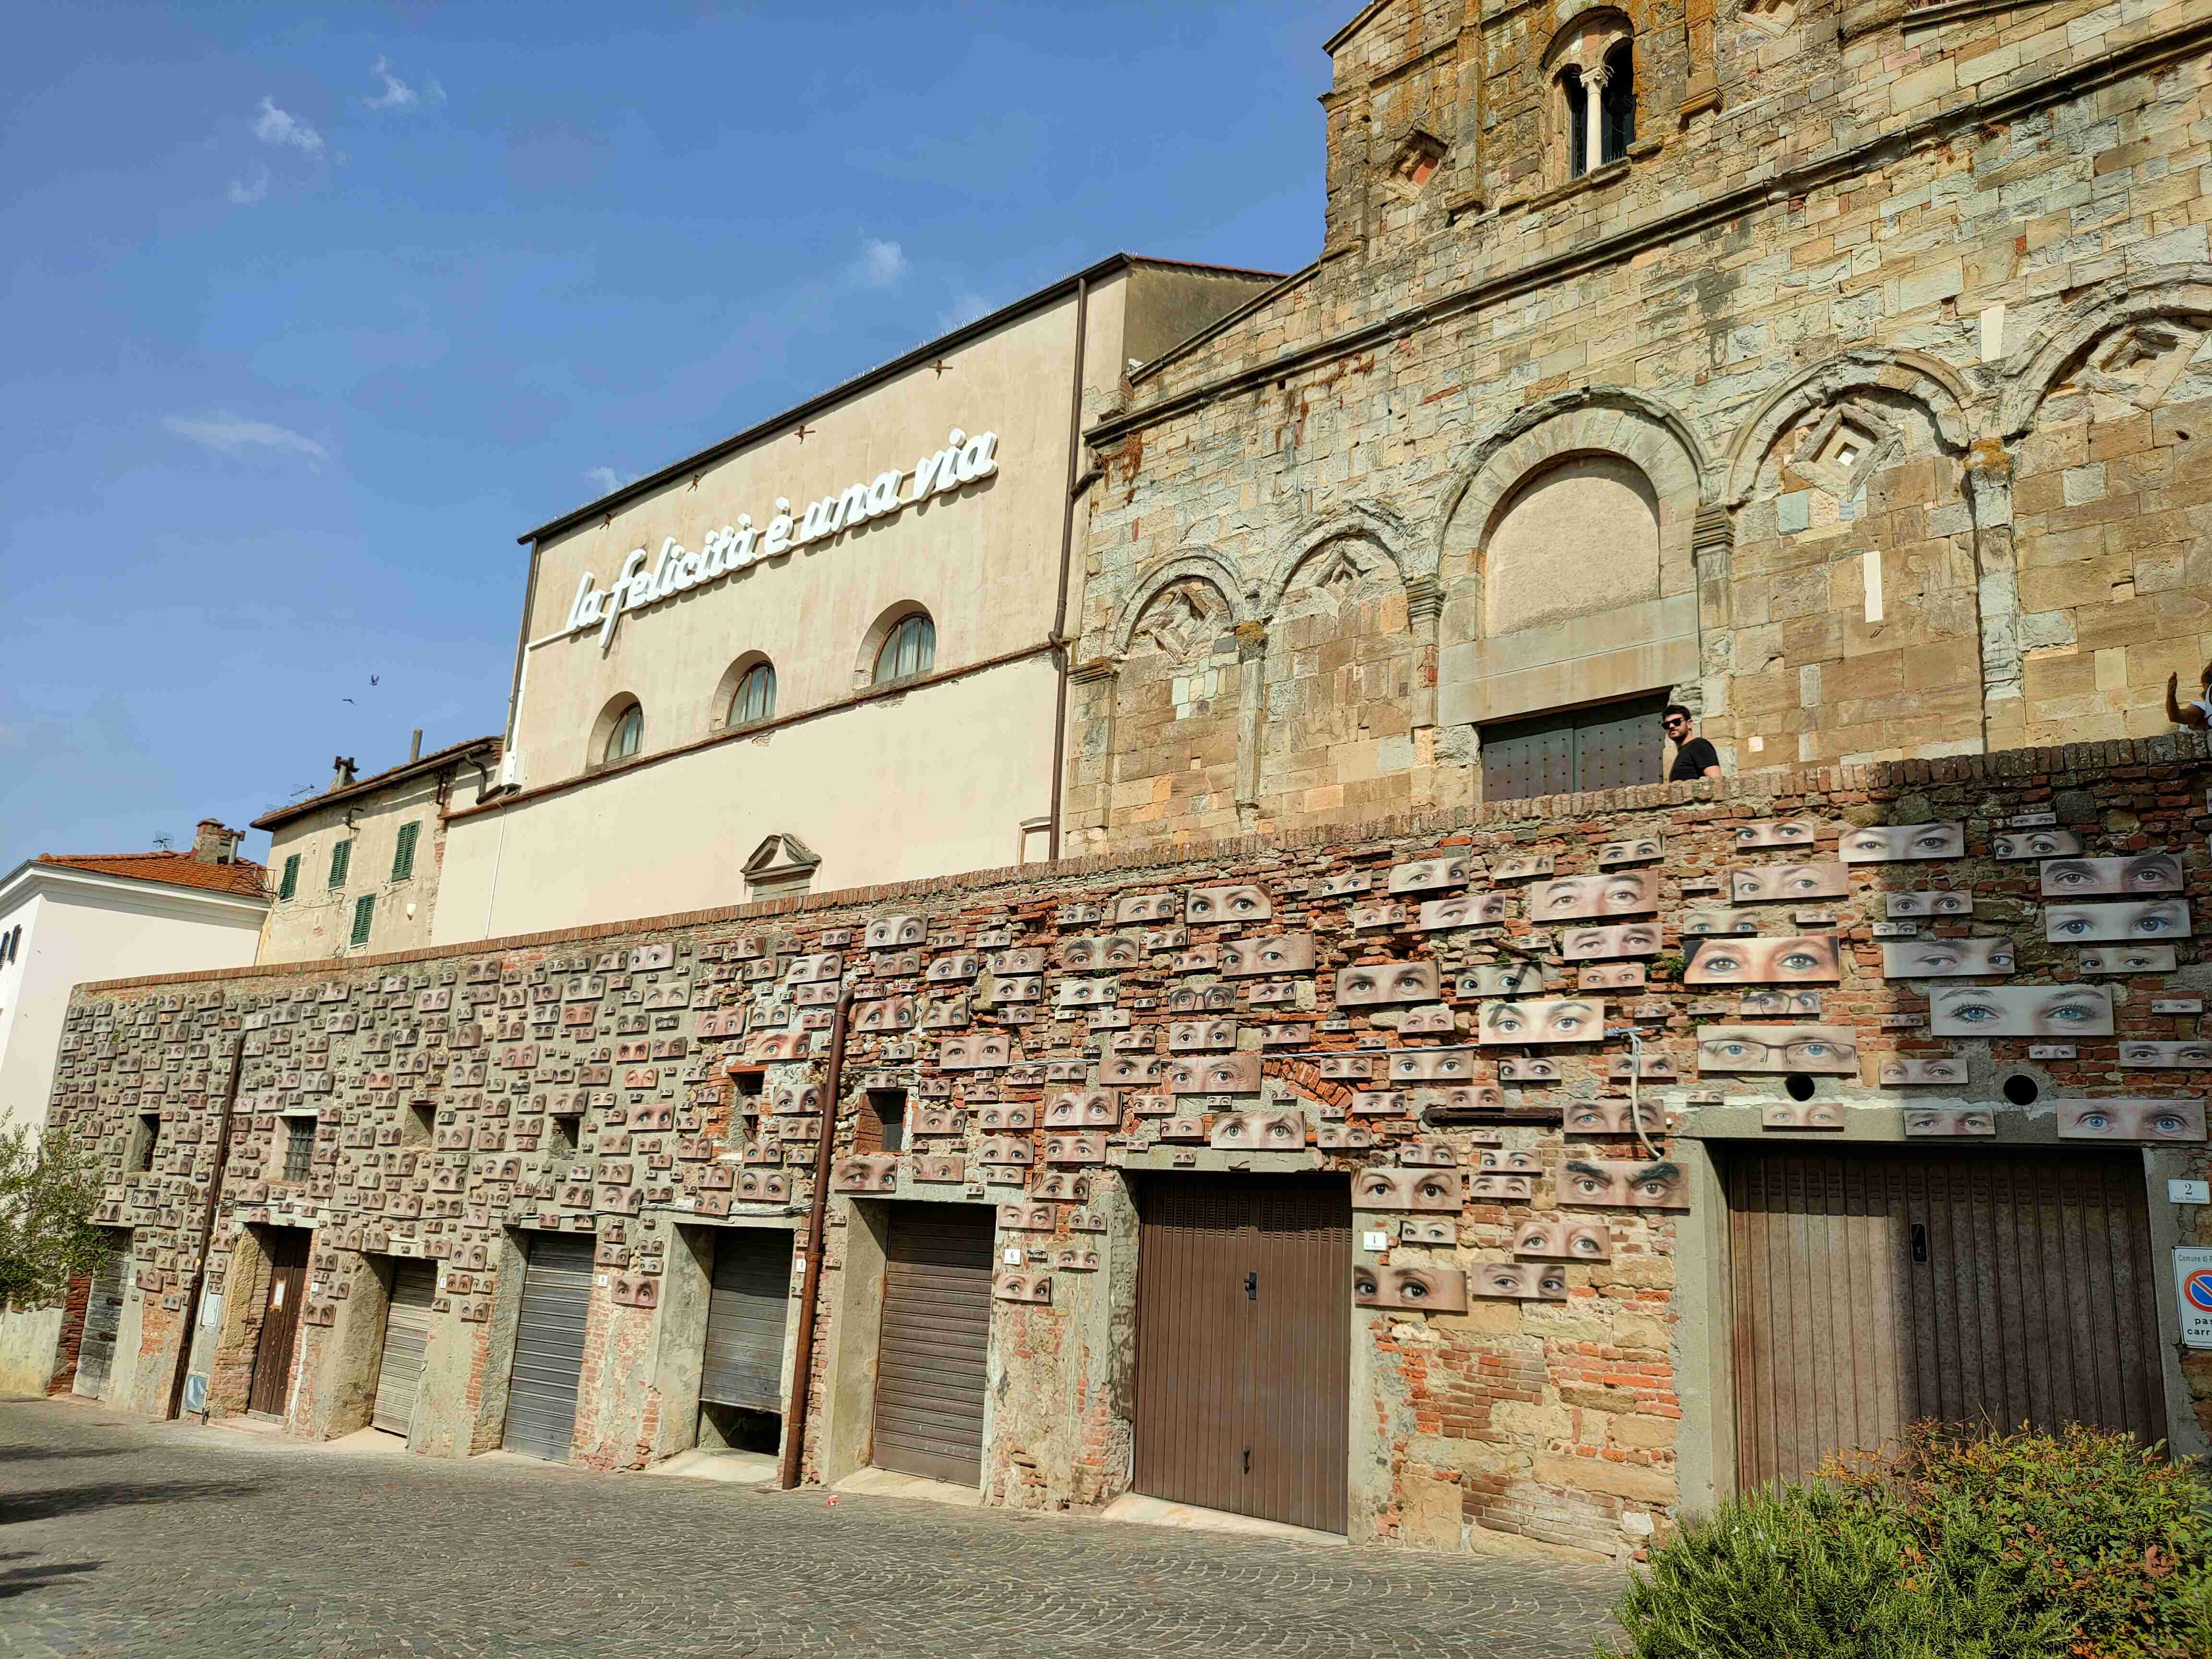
column 2074, row 1546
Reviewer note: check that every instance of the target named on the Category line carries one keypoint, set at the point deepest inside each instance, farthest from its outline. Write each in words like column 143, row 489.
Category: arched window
column 1577, row 102
column 628, row 735
column 754, row 699
column 1617, row 103
column 1592, row 65
column 910, row 648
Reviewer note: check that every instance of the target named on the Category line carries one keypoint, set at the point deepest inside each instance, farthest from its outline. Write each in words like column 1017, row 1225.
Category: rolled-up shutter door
column 103, row 1317
column 406, row 1335
column 549, row 1347
column 930, row 1372
column 743, row 1364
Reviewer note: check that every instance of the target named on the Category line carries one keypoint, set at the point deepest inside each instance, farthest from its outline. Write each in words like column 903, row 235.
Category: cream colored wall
column 984, row 561
column 937, row 779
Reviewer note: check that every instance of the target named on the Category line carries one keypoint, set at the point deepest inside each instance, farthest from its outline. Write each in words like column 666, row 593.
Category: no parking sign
column 2192, row 1281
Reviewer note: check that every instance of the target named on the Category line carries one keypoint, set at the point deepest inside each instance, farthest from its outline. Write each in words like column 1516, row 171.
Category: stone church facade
column 1846, row 386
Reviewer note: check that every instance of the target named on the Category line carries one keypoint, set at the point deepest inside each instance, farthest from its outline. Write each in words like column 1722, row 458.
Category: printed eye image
column 1080, row 955
column 1523, row 1281
column 1432, row 1190
column 2131, row 1119
column 1500, row 1187
column 1258, row 1132
column 1133, row 1068
column 795, row 1099
column 1528, row 1069
column 1435, row 1021
column 945, row 1014
column 1778, row 832
column 1611, row 977
column 2191, row 1054
column 1609, row 1117
column 2035, row 844
column 1941, row 958
column 864, row 1175
column 1379, row 982
column 985, row 1052
column 1183, row 1128
column 1342, row 1138
column 1414, row 1290
column 1278, row 953
column 1889, row 843
column 887, row 1014
column 1624, row 1184
column 1006, row 989
column 1429, row 1230
column 1642, row 850
column 1632, row 938
column 1076, row 1258
column 1089, row 1109
column 1804, row 1005
column 1341, row 886
column 2147, row 873
column 1653, row 1066
column 1087, row 992
column 1200, row 959
column 1904, row 1071
column 2152, row 921
column 1013, row 1149
column 1383, row 913
column 1069, row 1146
column 1501, row 979
column 1520, row 868
column 1428, row 1155
column 1380, row 1103
column 764, row 1187
column 811, row 970
column 1226, row 904
column 1432, row 1065
column 1792, row 882
column 1624, row 893
column 939, row 1121
column 1576, row 1019
column 1024, row 1217
column 1060, row 1184
column 1808, row 1115
column 2058, row 1011
column 1464, row 910
column 1425, row 875
column 1222, row 1074
column 1033, row 1288
column 1147, row 907
column 1807, row 959
column 1195, row 1036
column 1926, row 1122
column 2127, row 959
column 1930, row 904
column 1064, row 1071
column 1700, row 924
column 1026, row 961
column 1831, row 1049
column 889, row 932
column 1510, row 1161
column 996, row 1118
column 946, row 968
column 1347, row 1065
column 1118, row 951
column 1564, row 1238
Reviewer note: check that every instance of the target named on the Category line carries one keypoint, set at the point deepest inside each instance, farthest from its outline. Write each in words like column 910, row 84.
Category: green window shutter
column 364, row 911
column 291, row 883
column 341, row 858
column 403, row 856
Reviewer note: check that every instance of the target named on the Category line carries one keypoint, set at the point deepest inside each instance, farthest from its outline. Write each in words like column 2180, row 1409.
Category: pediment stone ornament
column 1843, row 449
column 2141, row 362
column 1177, row 620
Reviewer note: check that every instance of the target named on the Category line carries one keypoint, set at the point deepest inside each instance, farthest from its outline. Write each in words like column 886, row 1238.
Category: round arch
column 1928, row 381
column 2178, row 291
column 612, row 715
column 1207, row 567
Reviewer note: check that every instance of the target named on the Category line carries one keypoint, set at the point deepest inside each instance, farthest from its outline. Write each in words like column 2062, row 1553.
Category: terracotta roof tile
column 171, row 869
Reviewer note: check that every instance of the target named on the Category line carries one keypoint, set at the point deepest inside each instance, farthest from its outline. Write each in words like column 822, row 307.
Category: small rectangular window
column 561, row 1135
column 299, row 1148
column 291, row 882
column 145, row 1140
column 364, row 912
column 341, row 860
column 881, row 1126
column 403, row 855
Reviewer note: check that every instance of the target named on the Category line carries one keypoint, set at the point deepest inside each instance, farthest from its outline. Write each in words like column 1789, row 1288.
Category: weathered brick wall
column 1917, row 300
column 1549, row 1419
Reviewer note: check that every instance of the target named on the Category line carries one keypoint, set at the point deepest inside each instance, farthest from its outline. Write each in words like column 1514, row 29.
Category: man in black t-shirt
column 1694, row 757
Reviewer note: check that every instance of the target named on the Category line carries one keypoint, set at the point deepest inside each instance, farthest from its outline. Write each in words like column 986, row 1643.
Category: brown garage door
column 1878, row 1286
column 1244, row 1344
column 936, row 1334
column 280, row 1320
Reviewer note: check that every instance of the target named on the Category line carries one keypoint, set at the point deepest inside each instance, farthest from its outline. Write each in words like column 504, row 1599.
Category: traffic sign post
column 2192, row 1283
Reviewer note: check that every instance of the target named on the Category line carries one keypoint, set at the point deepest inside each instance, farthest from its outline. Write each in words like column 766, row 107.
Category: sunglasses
column 1673, row 720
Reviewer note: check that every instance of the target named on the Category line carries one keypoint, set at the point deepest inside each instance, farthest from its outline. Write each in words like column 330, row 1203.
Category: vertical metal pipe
column 207, row 1228
column 802, row 1359
column 1066, row 558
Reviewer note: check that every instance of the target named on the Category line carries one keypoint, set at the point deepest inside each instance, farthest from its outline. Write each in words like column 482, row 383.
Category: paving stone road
column 118, row 1537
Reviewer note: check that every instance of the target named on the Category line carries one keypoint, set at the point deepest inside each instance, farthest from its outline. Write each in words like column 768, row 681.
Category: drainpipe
column 207, row 1229
column 1076, row 484
column 802, row 1360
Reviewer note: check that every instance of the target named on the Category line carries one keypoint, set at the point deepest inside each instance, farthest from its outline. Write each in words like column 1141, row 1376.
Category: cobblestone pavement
column 121, row 1537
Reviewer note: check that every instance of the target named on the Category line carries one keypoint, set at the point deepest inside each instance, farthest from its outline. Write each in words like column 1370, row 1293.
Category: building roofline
column 1221, row 323
column 1353, row 27
column 33, row 872
column 846, row 390
column 390, row 775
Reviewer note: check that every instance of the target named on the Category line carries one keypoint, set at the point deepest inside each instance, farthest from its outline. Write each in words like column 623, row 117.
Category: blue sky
column 309, row 316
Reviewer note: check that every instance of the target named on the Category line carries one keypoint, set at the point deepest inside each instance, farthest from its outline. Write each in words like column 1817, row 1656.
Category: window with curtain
column 754, row 701
column 628, row 735
column 909, row 649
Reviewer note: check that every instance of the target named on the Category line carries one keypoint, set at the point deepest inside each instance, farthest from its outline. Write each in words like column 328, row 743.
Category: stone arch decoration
column 2133, row 304
column 1933, row 384
column 1371, row 526
column 1204, row 567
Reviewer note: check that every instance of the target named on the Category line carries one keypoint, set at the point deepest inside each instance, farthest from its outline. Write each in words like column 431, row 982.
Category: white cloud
column 244, row 195
column 228, row 435
column 881, row 263
column 437, row 90
column 274, row 126
column 967, row 306
column 396, row 94
column 606, row 480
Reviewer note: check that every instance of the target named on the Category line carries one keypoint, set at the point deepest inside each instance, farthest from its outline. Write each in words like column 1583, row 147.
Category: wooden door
column 1245, row 1345
column 280, row 1320
column 1613, row 746
column 931, row 1359
column 1875, row 1287
column 407, row 1322
column 747, row 1305
column 549, row 1347
column 103, row 1317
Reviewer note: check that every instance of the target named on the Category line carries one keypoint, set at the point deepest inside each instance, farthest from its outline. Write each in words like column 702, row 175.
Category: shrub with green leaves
column 47, row 1191
column 2076, row 1546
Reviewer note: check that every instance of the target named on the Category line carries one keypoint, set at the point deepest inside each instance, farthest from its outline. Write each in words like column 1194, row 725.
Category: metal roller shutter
column 549, row 1347
column 930, row 1365
column 751, row 1295
column 1245, row 1345
column 103, row 1317
column 406, row 1337
column 1875, row 1287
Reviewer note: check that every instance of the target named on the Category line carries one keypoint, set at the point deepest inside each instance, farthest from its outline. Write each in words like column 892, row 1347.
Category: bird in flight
column 345, row 699
column 374, row 678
